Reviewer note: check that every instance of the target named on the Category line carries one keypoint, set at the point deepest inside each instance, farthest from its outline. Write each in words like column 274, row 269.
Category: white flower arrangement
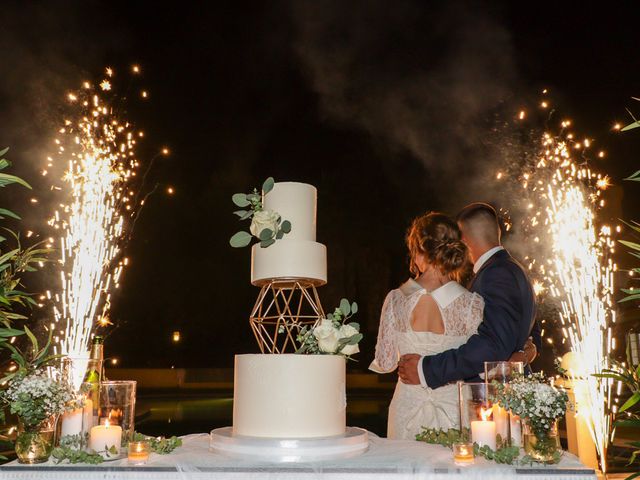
column 36, row 397
column 533, row 398
column 333, row 336
column 266, row 225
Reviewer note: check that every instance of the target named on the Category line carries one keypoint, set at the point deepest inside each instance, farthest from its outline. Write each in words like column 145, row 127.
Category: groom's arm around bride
column 509, row 312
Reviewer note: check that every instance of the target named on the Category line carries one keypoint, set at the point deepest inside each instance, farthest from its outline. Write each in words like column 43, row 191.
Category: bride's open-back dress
column 414, row 406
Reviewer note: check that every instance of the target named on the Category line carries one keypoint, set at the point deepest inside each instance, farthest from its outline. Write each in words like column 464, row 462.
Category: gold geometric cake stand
column 282, row 308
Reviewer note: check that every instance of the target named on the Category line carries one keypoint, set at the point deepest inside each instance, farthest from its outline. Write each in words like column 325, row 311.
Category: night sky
column 388, row 108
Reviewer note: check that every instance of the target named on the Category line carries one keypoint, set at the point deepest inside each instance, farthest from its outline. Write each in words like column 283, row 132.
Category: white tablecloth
column 389, row 459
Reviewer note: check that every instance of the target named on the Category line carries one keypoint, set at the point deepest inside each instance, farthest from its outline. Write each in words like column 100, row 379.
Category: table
column 388, row 459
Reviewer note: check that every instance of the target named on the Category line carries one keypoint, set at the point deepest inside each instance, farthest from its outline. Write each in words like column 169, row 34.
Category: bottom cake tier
column 289, row 396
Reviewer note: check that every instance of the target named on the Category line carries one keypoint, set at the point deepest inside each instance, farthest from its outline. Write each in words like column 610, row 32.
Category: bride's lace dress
column 413, row 406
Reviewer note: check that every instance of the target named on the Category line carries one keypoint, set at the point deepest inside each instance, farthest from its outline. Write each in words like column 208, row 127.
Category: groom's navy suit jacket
column 509, row 318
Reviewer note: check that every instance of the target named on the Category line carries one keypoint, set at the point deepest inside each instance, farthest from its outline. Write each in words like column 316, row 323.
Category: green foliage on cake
column 266, row 225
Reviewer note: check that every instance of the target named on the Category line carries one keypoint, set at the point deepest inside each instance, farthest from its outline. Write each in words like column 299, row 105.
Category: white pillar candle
column 516, row 430
column 501, row 417
column 483, row 432
column 103, row 437
column 72, row 422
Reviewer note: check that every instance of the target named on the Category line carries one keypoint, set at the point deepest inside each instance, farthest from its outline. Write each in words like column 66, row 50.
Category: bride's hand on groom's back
column 408, row 369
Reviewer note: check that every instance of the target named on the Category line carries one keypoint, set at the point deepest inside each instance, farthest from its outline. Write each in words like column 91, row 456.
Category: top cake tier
column 295, row 202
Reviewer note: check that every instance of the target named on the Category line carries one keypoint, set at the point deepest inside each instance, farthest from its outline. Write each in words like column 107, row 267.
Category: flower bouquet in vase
column 540, row 405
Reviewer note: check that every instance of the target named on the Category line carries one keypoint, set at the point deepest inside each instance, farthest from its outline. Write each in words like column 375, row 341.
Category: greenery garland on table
column 70, row 450
column 504, row 454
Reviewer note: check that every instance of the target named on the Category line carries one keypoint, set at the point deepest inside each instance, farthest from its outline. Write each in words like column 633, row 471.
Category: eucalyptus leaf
column 354, row 339
column 345, row 307
column 240, row 213
column 240, row 199
column 354, row 325
column 354, row 308
column 279, row 235
column 240, row 239
column 253, row 197
column 267, row 186
column 266, row 234
column 3, row 151
column 267, row 243
column 286, row 226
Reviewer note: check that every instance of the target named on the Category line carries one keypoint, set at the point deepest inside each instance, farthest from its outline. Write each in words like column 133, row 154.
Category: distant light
column 165, row 151
column 114, row 361
column 544, row 104
column 135, row 68
column 170, row 190
column 521, row 115
column 617, row 126
column 144, row 94
column 176, row 336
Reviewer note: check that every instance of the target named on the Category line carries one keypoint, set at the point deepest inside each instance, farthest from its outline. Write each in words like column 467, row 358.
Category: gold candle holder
column 139, row 452
column 463, row 453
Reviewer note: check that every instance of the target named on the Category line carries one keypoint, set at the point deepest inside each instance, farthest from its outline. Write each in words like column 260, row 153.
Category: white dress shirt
column 476, row 267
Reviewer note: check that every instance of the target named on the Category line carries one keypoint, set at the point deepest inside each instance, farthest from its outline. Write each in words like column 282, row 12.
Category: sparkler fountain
column 574, row 264
column 98, row 151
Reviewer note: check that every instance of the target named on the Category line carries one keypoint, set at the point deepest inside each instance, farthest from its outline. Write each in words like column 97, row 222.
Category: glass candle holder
column 502, row 372
column 463, row 453
column 508, row 425
column 116, row 415
column 478, row 421
column 139, row 452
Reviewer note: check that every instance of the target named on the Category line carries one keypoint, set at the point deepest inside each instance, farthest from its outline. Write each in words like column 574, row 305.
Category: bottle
column 94, row 376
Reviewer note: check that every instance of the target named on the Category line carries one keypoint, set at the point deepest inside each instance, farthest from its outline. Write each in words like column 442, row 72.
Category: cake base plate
column 353, row 442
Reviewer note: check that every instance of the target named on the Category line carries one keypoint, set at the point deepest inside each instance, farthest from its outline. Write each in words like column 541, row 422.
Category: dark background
column 388, row 108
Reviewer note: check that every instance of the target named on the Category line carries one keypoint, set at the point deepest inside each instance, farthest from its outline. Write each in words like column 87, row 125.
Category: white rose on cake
column 327, row 336
column 347, row 331
column 264, row 219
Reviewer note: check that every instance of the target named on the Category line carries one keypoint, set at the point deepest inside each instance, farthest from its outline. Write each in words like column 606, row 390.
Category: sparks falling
column 575, row 266
column 96, row 148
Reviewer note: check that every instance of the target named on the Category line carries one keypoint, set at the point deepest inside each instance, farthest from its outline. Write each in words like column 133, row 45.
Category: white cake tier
column 295, row 202
column 289, row 259
column 289, row 396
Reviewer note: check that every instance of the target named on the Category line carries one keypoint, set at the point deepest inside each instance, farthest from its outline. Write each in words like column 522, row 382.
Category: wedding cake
column 288, row 395
column 297, row 255
column 291, row 407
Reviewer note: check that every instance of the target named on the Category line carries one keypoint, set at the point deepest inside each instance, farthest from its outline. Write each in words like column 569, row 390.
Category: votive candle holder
column 139, row 452
column 463, row 453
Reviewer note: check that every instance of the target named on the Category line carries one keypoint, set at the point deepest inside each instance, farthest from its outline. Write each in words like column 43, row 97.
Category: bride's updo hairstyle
column 438, row 238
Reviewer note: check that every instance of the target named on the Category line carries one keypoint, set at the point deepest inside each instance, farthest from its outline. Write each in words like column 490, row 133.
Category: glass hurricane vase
column 35, row 443
column 542, row 446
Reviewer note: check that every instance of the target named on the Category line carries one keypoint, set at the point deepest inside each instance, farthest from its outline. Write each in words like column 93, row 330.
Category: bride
column 428, row 314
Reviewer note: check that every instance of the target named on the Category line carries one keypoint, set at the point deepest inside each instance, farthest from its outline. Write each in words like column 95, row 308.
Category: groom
column 509, row 311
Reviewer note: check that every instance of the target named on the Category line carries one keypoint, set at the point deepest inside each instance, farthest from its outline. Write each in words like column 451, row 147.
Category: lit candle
column 501, row 417
column 483, row 432
column 103, row 437
column 463, row 453
column 138, row 453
